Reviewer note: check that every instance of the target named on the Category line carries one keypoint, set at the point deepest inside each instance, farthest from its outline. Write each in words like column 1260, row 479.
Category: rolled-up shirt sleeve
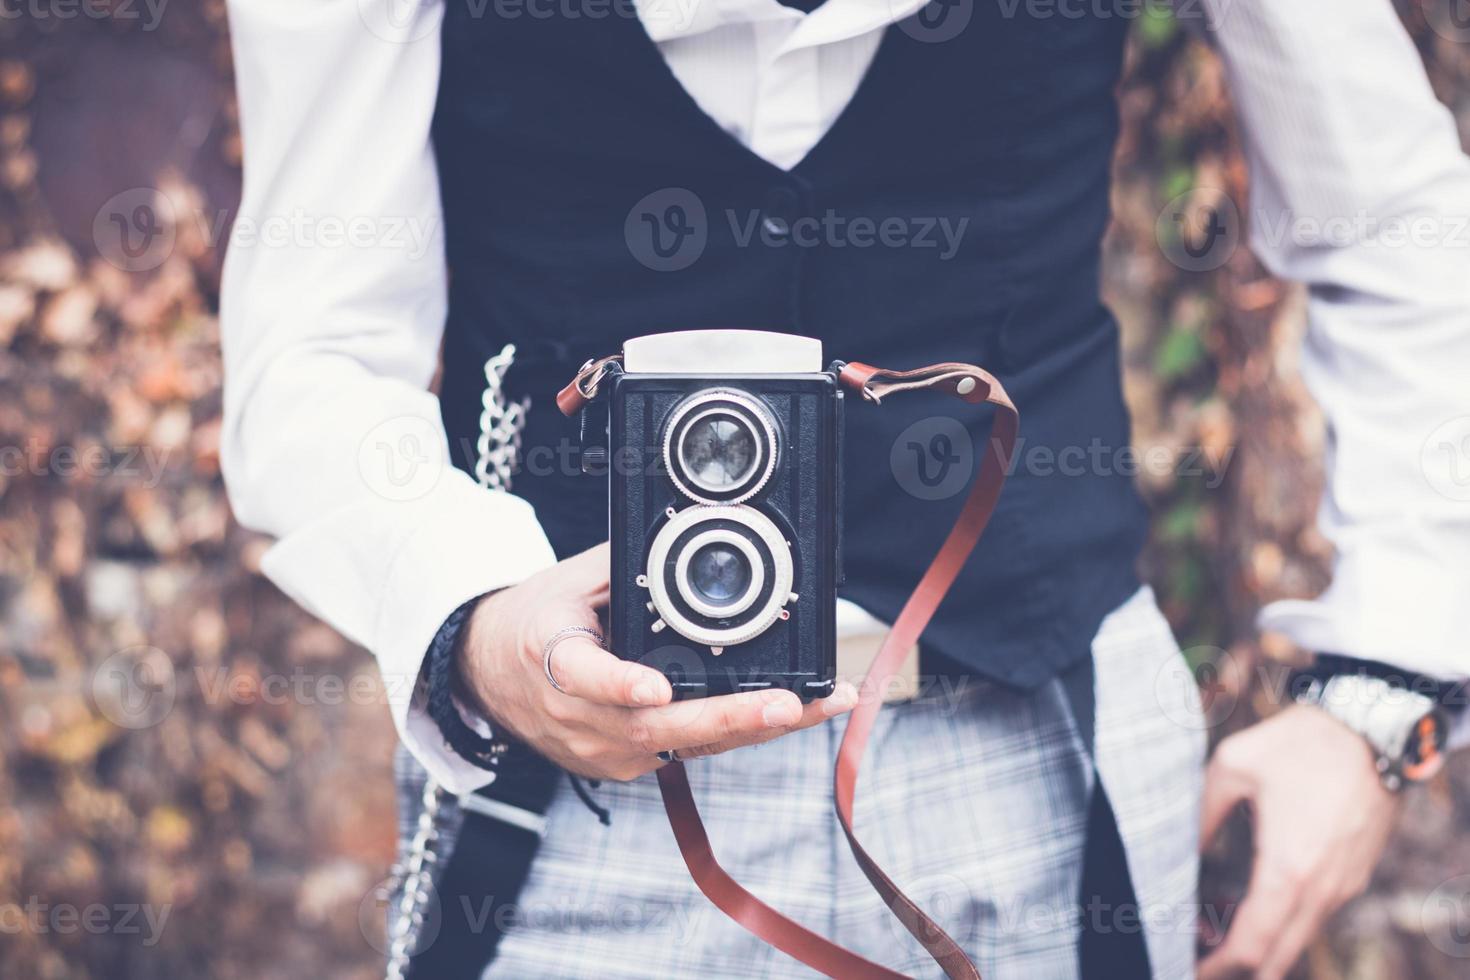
column 1360, row 189
column 332, row 310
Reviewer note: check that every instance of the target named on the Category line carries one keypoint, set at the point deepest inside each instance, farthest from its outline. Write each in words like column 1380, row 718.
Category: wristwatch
column 1404, row 717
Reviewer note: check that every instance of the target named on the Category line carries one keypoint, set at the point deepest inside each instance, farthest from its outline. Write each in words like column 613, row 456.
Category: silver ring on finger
column 566, row 632
column 669, row 755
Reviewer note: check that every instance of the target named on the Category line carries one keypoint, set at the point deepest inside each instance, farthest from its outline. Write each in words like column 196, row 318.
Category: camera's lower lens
column 719, row 452
column 720, row 574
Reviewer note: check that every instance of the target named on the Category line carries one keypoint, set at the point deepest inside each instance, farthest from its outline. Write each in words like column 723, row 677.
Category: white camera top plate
column 722, row 352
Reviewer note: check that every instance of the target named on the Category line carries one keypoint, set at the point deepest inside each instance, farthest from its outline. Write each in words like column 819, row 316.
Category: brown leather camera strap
column 971, row 385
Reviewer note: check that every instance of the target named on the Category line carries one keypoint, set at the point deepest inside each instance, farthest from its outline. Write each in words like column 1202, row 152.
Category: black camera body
column 725, row 512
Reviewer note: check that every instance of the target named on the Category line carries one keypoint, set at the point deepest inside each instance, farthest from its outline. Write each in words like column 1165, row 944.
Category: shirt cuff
column 1387, row 602
column 387, row 574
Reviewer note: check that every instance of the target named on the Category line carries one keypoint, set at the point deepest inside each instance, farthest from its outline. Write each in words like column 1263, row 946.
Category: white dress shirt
column 333, row 443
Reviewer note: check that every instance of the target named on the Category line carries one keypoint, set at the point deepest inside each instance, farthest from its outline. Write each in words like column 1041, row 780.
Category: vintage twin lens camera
column 724, row 452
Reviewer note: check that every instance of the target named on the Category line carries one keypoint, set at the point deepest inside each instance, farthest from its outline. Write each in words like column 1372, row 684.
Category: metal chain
column 498, row 451
column 499, row 446
column 416, row 881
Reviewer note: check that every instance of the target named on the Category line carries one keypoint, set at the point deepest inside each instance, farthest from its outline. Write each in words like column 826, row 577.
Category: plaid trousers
column 974, row 798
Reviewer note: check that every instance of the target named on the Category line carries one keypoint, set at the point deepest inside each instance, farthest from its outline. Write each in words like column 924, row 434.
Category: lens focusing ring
column 761, row 603
column 721, row 404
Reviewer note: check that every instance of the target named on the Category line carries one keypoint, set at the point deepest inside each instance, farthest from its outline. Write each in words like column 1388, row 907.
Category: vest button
column 781, row 208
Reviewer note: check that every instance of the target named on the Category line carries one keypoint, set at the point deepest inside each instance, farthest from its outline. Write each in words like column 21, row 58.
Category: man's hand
column 1321, row 821
column 615, row 716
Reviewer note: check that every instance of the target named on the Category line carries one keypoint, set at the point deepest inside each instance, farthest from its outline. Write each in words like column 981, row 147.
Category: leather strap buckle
column 586, row 385
column 964, row 381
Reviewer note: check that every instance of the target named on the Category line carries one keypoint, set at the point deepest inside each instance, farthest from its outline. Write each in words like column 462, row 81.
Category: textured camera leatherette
column 801, row 497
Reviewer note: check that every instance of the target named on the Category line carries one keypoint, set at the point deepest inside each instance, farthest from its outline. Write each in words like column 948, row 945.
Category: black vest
column 588, row 199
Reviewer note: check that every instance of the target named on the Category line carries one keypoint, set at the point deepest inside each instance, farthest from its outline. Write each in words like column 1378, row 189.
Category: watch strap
column 1451, row 696
column 1402, row 716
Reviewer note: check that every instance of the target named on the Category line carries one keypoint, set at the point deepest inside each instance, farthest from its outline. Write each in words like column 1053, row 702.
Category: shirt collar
column 834, row 20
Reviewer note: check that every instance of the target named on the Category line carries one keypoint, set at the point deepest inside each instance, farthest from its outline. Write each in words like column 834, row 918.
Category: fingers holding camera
column 711, row 726
column 606, row 717
column 583, row 669
column 620, row 743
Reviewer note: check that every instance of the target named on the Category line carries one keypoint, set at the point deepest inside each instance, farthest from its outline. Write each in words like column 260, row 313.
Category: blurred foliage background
column 242, row 829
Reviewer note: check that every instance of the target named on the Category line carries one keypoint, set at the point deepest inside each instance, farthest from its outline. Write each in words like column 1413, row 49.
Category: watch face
column 1424, row 752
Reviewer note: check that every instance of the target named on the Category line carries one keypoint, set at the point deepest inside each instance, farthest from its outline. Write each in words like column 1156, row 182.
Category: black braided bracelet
column 461, row 739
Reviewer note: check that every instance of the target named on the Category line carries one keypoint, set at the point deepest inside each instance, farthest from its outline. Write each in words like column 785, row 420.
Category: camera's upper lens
column 720, row 574
column 719, row 451
column 720, row 445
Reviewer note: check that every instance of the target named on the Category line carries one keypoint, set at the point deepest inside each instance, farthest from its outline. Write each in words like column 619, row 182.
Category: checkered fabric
column 972, row 797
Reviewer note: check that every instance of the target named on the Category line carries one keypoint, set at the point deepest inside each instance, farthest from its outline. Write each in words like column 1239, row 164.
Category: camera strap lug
column 587, row 384
column 964, row 381
column 580, row 397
